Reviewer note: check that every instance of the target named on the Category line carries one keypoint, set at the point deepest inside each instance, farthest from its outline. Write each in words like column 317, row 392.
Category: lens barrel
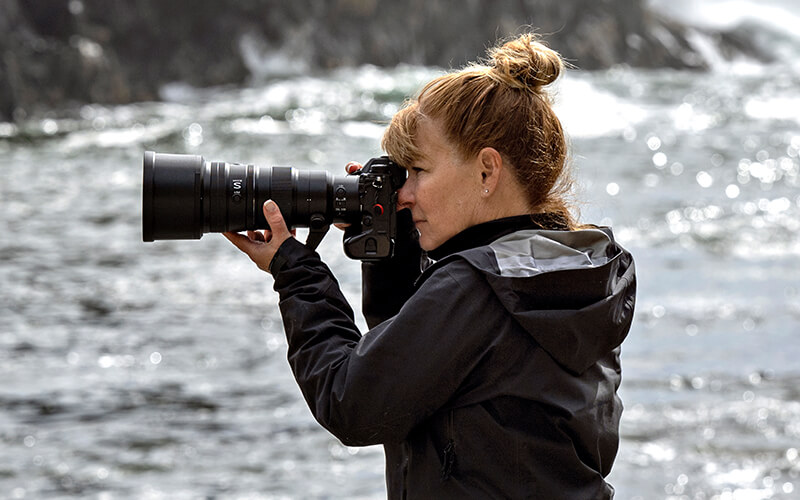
column 185, row 196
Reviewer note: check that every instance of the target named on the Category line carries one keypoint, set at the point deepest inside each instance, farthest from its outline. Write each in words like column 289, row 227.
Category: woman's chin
column 424, row 242
column 427, row 243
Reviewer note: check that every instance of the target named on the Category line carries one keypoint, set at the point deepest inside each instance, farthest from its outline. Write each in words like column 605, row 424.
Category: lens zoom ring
column 282, row 192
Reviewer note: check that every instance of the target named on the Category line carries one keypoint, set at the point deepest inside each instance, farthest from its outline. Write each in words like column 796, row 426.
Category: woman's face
column 442, row 190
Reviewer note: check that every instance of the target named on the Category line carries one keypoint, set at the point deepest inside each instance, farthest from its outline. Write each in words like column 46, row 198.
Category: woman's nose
column 405, row 197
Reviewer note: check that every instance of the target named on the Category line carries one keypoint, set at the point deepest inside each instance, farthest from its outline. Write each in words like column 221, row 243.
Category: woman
column 492, row 373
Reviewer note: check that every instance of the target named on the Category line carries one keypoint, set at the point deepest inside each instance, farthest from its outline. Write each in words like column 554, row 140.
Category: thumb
column 272, row 213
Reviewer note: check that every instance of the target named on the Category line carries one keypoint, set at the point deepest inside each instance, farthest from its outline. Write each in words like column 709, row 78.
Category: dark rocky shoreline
column 60, row 52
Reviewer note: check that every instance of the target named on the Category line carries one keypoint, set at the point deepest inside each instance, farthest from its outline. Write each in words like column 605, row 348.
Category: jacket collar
column 486, row 232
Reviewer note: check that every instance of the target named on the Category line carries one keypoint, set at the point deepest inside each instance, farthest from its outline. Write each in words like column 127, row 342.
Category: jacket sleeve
column 376, row 388
column 386, row 285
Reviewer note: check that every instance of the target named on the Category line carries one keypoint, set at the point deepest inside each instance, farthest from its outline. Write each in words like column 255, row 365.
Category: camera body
column 372, row 236
column 185, row 196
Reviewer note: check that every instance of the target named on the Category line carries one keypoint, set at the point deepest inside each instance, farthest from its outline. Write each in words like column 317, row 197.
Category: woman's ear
column 491, row 165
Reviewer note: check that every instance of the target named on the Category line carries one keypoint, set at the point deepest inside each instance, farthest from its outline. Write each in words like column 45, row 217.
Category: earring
column 486, row 191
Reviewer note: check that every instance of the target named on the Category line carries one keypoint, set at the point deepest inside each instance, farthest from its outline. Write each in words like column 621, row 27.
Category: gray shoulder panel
column 531, row 252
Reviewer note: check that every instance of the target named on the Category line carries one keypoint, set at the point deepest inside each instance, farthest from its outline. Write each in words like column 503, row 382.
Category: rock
column 114, row 51
column 46, row 63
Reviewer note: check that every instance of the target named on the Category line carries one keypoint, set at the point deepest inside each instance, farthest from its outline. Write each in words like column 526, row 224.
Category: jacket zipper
column 449, row 453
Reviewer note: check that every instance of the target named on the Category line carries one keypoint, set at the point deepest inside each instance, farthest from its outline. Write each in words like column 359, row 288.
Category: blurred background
column 133, row 370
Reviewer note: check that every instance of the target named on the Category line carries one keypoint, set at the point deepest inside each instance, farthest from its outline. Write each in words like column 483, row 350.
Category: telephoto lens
column 185, row 196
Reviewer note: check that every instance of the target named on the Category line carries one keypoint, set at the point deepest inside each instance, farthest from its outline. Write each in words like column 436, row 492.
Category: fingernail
column 270, row 205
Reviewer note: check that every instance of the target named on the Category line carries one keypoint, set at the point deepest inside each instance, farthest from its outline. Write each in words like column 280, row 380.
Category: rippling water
column 132, row 370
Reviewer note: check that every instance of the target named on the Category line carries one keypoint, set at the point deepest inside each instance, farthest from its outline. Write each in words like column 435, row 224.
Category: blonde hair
column 502, row 104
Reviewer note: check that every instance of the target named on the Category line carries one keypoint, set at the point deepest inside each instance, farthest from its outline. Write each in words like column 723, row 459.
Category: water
column 132, row 370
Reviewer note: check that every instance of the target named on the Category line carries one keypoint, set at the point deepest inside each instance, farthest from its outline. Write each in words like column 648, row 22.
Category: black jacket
column 496, row 378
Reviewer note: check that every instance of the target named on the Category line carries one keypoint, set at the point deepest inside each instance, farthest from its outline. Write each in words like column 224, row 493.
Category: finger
column 352, row 167
column 256, row 236
column 275, row 220
column 342, row 226
column 241, row 241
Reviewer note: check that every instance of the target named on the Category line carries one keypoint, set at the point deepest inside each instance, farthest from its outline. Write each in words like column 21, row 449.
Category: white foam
column 777, row 32
column 776, row 108
column 587, row 112
column 728, row 14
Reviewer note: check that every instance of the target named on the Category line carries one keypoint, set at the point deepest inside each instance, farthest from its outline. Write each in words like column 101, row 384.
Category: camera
column 185, row 196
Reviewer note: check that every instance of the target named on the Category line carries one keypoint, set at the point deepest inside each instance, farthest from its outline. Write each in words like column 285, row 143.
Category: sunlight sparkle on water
column 659, row 159
column 687, row 118
column 704, row 179
column 193, row 134
column 676, row 168
column 7, row 129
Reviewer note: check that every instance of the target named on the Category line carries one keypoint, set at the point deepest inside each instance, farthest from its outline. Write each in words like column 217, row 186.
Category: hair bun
column 526, row 63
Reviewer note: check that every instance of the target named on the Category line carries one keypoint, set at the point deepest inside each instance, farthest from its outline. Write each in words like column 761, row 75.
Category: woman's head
column 502, row 105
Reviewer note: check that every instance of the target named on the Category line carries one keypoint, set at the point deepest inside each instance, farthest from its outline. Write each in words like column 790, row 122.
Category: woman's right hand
column 350, row 168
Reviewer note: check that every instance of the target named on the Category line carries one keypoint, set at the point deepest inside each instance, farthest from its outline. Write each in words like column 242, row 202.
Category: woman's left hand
column 261, row 247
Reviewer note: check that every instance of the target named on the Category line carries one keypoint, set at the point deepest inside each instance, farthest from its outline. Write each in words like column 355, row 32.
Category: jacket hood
column 572, row 291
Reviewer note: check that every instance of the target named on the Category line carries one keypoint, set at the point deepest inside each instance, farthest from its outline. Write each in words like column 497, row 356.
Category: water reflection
column 134, row 371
